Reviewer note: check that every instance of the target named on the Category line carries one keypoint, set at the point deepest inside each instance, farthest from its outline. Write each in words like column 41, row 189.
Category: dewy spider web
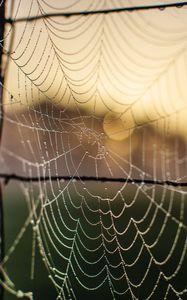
column 102, row 96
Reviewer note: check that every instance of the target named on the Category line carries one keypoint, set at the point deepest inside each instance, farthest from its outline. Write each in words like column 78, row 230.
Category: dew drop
column 20, row 294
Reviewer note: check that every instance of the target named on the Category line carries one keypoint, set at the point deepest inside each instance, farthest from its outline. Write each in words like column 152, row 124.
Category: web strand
column 94, row 145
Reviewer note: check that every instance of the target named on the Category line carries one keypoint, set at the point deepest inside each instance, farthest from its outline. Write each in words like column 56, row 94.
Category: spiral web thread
column 70, row 81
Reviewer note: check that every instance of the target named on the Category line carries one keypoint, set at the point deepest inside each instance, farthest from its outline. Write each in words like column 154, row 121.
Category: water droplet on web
column 20, row 294
column 35, row 228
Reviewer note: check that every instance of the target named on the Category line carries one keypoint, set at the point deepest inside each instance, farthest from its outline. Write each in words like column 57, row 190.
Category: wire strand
column 99, row 11
column 17, row 177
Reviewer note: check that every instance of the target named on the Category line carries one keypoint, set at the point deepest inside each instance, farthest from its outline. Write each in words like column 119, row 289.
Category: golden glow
column 116, row 127
column 129, row 68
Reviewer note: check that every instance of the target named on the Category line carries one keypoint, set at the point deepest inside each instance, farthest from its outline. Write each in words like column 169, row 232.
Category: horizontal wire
column 8, row 177
column 99, row 11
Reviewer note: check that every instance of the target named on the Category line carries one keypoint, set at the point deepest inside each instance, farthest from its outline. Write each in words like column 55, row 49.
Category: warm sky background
column 128, row 66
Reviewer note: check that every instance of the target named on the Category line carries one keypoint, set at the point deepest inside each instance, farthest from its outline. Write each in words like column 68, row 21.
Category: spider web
column 102, row 96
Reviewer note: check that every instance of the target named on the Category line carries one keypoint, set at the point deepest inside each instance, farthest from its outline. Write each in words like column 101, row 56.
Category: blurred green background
column 18, row 266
